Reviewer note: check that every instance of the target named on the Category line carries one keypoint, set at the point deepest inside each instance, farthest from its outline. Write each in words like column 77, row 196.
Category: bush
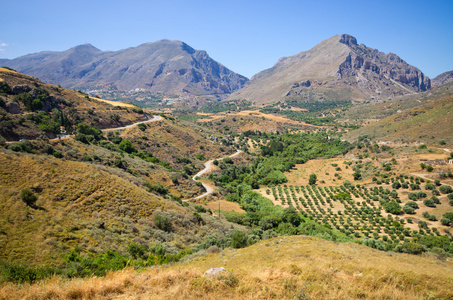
column 127, row 146
column 57, row 154
column 392, row 207
column 142, row 127
column 429, row 203
column 161, row 222
column 156, row 188
column 28, row 197
column 312, row 179
column 238, row 239
column 19, row 273
column 408, row 210
column 411, row 248
column 445, row 189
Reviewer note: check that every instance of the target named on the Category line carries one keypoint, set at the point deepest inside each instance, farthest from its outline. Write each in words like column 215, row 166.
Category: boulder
column 214, row 272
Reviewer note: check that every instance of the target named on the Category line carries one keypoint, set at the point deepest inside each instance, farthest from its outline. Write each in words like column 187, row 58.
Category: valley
column 328, row 175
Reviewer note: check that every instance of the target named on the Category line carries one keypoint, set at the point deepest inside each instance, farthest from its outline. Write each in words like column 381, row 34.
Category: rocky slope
column 336, row 69
column 443, row 78
column 165, row 66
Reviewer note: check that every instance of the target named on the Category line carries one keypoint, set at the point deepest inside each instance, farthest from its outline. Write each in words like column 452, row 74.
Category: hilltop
column 30, row 108
column 336, row 69
column 169, row 67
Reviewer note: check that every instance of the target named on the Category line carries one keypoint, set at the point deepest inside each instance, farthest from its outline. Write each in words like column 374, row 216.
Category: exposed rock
column 348, row 40
column 443, row 78
column 20, row 89
column 344, row 70
column 306, row 83
column 214, row 272
column 13, row 108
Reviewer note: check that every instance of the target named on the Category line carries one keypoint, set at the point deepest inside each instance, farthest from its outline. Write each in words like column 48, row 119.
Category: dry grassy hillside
column 90, row 206
column 296, row 267
column 426, row 119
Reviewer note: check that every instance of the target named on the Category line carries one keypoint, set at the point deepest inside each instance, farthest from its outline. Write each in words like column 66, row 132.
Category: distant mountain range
column 165, row 66
column 336, row 69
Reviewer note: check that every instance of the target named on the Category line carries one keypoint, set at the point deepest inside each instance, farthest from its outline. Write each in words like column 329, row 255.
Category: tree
column 392, row 207
column 162, row 222
column 312, row 179
column 127, row 146
column 291, row 216
column 445, row 189
column 238, row 239
column 28, row 197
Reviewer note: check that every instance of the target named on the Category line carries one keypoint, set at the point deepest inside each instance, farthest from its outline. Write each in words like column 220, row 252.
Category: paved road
column 154, row 119
column 208, row 185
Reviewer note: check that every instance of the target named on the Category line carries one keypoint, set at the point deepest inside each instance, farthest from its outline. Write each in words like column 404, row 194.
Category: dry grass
column 114, row 103
column 296, row 267
column 225, row 206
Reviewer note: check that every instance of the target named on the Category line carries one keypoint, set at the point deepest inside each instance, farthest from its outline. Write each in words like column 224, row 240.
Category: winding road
column 154, row 119
column 209, row 186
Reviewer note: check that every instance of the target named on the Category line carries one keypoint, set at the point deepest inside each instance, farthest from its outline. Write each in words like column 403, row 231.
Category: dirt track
column 208, row 185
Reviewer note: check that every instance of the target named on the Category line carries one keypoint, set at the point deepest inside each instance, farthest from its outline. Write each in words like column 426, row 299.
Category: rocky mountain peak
column 348, row 40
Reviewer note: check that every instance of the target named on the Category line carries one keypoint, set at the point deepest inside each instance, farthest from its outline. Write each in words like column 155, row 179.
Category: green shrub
column 429, row 203
column 86, row 157
column 199, row 156
column 22, row 273
column 238, row 239
column 127, row 146
column 161, row 222
column 142, row 126
column 57, row 154
column 156, row 188
column 411, row 248
column 445, row 189
column 28, row 197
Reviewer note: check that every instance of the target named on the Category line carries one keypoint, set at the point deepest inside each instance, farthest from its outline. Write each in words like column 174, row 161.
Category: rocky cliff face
column 362, row 59
column 336, row 69
column 171, row 67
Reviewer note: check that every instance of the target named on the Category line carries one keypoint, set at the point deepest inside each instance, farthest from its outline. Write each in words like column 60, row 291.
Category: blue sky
column 245, row 36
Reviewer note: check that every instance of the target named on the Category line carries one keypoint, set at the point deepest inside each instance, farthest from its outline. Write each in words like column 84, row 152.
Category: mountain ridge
column 336, row 69
column 165, row 66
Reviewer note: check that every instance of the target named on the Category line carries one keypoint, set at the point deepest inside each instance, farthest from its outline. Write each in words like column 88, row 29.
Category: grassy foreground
column 295, row 267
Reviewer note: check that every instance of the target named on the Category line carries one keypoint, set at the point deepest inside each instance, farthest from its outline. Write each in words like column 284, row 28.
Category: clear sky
column 245, row 36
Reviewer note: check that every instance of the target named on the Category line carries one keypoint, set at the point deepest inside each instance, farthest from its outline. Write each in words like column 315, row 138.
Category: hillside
column 97, row 191
column 443, row 78
column 30, row 108
column 336, row 69
column 297, row 267
column 169, row 67
column 424, row 118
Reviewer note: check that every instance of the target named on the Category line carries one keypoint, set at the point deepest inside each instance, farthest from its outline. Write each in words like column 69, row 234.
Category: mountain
column 170, row 67
column 336, row 69
column 443, row 78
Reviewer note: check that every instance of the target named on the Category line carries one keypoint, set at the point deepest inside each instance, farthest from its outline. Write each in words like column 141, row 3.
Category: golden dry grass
column 115, row 103
column 254, row 113
column 296, row 267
